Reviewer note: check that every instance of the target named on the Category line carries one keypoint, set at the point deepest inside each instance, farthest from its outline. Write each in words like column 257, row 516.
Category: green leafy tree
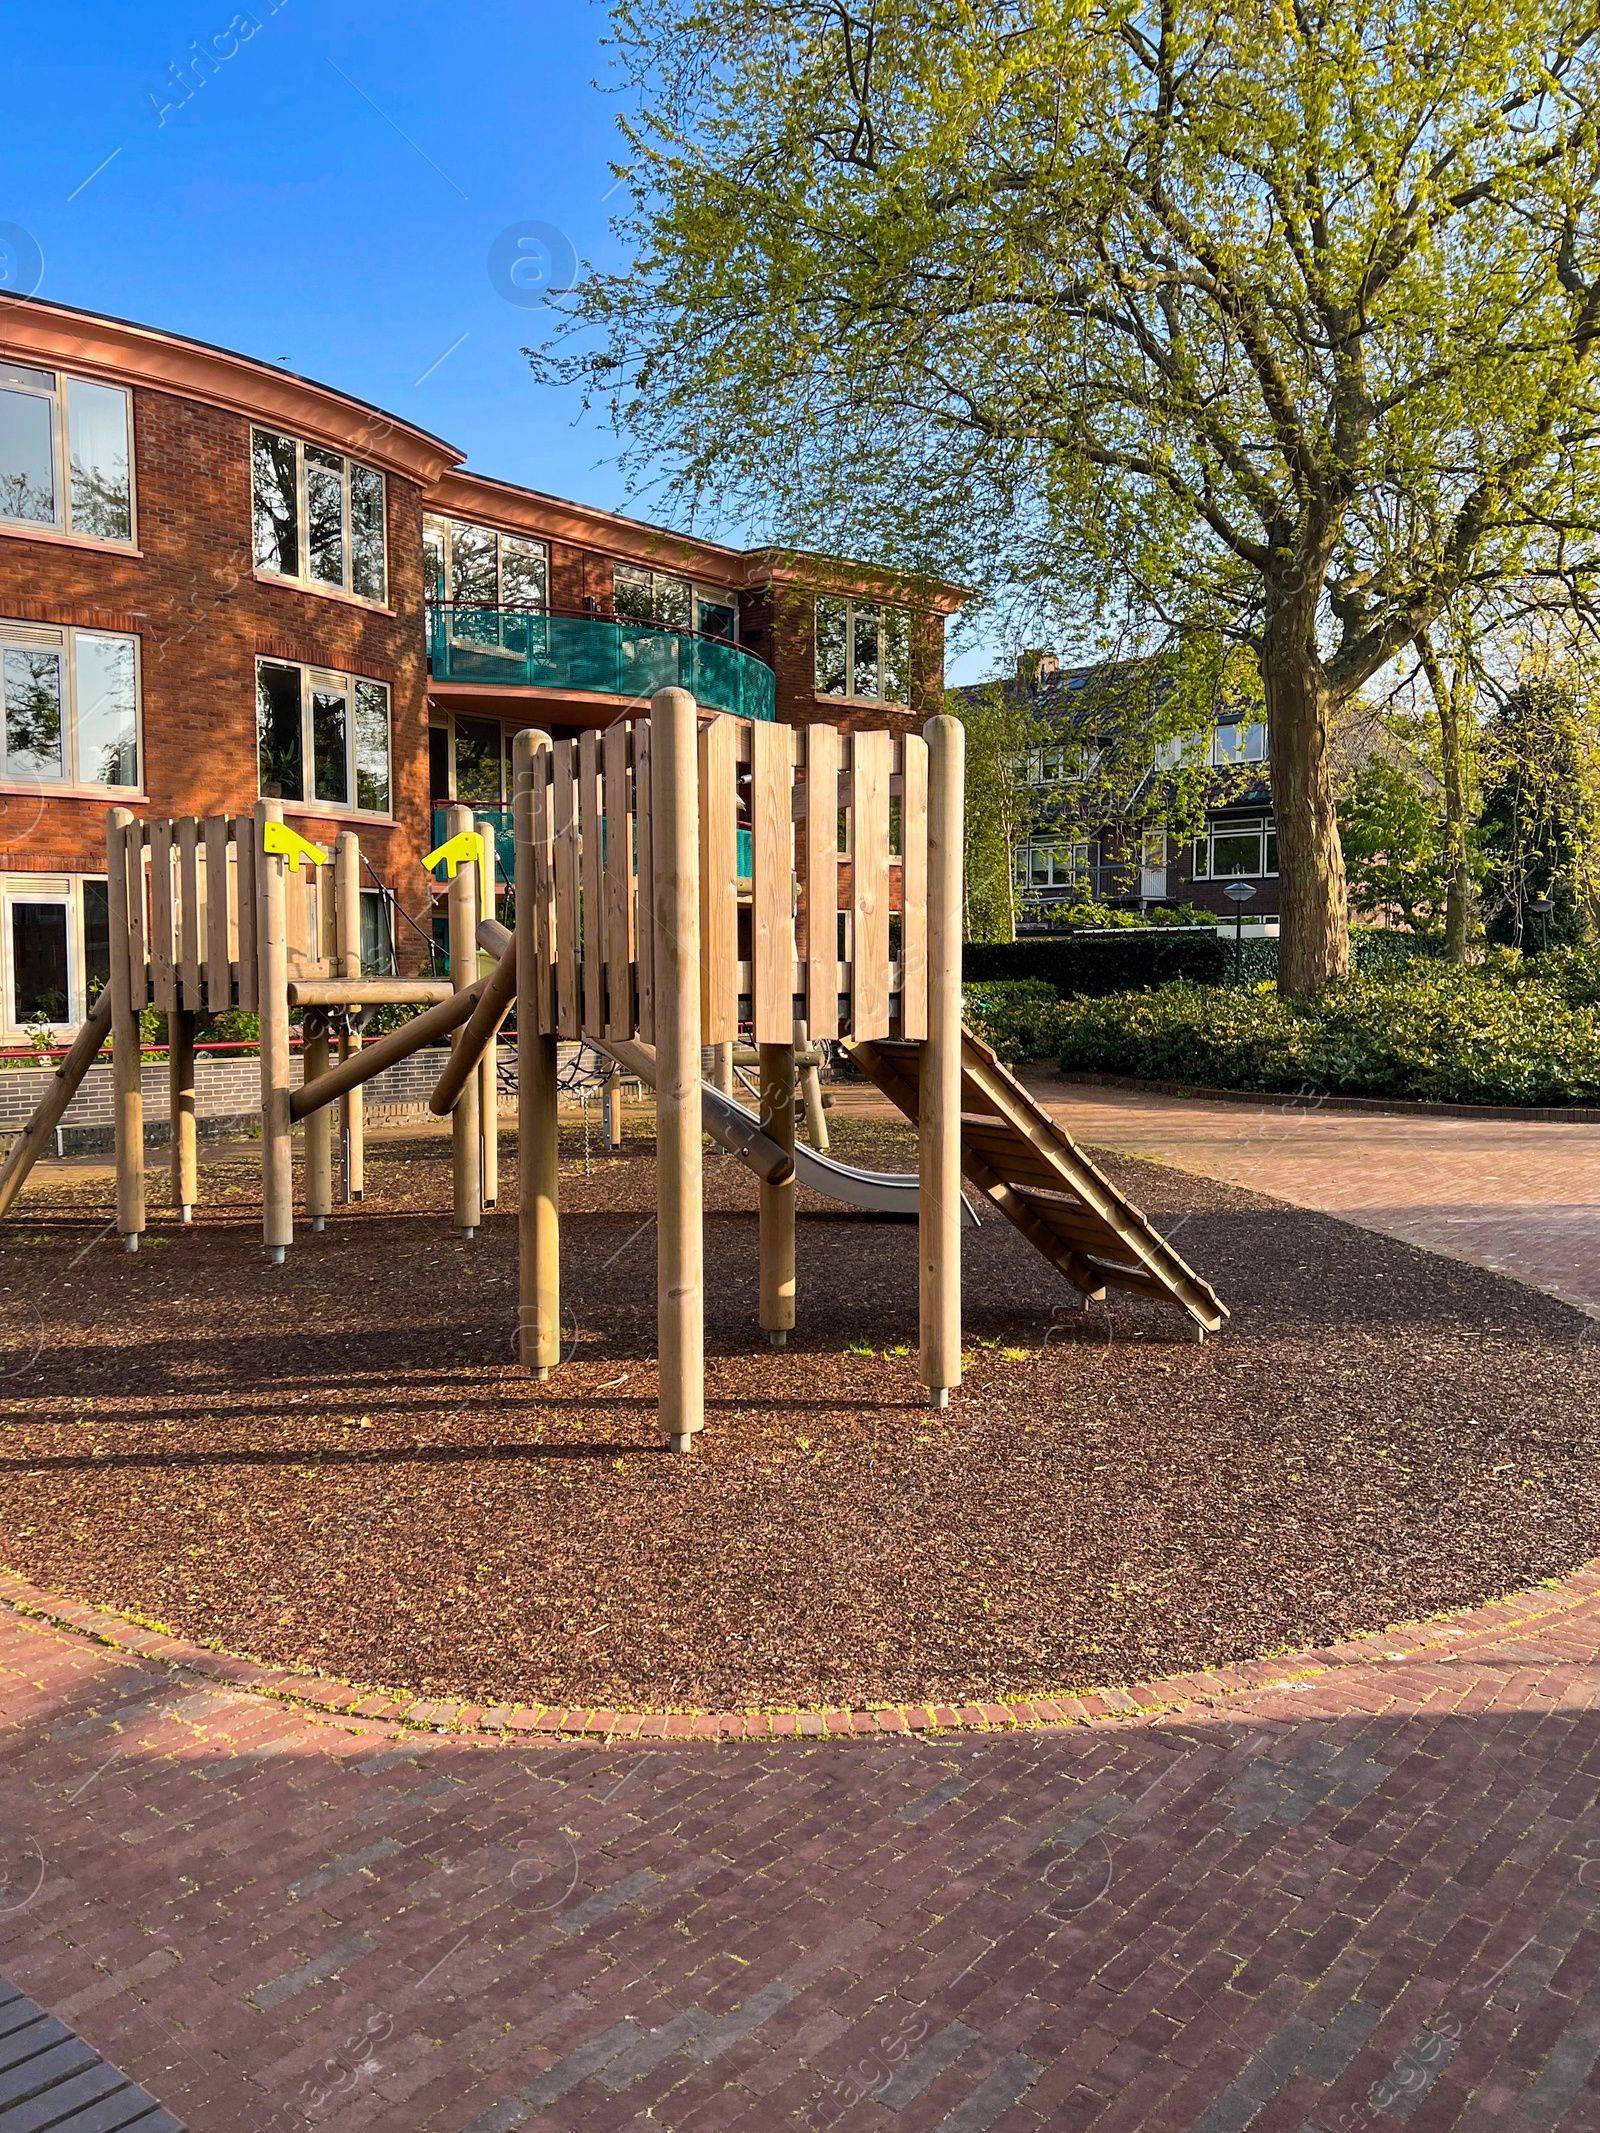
column 1541, row 812
column 1276, row 323
column 1395, row 846
column 1000, row 807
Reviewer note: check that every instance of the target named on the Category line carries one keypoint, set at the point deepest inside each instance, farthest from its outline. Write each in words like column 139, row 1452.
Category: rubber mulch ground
column 336, row 1464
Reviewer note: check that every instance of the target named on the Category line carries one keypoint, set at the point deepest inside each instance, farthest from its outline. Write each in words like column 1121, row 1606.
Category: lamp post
column 1238, row 894
column 1542, row 906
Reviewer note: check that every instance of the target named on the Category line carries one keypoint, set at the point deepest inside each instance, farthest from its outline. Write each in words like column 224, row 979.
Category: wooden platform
column 50, row 2077
column 1044, row 1184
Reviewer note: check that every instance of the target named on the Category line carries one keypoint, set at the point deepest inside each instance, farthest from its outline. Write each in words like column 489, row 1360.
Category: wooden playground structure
column 638, row 929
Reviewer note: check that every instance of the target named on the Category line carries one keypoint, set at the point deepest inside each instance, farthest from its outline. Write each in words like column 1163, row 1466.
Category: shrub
column 1020, row 1017
column 1435, row 1032
column 1100, row 963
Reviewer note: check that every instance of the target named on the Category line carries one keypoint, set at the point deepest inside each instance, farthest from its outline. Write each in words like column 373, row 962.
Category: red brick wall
column 787, row 614
column 202, row 618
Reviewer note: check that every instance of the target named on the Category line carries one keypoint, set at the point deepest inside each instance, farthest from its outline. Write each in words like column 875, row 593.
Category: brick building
column 219, row 580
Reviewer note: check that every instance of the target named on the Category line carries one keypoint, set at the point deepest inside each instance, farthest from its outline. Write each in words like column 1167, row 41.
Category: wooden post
column 776, row 1202
column 722, row 1068
column 675, row 910
column 181, row 1111
column 811, row 1082
column 272, row 1007
column 489, row 1065
column 611, row 1113
column 939, row 1136
column 466, row 1156
column 347, row 936
column 34, row 1138
column 316, row 1058
column 124, row 882
column 538, row 1145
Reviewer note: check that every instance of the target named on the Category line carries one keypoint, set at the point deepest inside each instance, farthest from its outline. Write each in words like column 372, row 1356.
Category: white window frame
column 434, row 522
column 1062, row 763
column 1262, row 827
column 60, row 397
column 43, row 637
column 699, row 595
column 882, row 609
column 302, row 580
column 1078, row 869
column 67, row 889
column 1253, row 751
column 310, row 677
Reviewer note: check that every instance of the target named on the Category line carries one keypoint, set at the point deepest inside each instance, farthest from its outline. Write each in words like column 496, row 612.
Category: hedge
column 1502, row 1034
column 1095, row 964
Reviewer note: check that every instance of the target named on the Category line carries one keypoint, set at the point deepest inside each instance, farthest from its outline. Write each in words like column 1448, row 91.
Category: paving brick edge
column 1167, row 1697
column 1320, row 1100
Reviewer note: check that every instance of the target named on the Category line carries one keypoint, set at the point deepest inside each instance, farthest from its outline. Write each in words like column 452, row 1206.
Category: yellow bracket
column 278, row 837
column 456, row 851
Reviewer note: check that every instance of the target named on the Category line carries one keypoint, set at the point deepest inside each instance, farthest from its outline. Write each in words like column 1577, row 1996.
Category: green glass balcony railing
column 521, row 648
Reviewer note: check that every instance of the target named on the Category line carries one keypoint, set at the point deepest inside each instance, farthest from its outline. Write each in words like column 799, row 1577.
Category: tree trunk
column 1314, row 923
column 1453, row 761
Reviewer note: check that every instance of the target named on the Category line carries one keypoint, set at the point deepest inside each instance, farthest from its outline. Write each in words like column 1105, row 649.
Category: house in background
column 220, row 581
column 1089, row 837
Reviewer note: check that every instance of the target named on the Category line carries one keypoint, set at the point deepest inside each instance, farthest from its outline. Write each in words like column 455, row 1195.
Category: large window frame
column 85, row 935
column 1051, row 865
column 862, row 651
column 83, row 661
column 66, row 402
column 1238, row 836
column 321, row 477
column 1221, row 749
column 1061, row 763
column 313, row 735
column 664, row 600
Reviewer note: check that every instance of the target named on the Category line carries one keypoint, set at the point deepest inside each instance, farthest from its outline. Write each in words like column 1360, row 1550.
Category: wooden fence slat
column 542, row 1013
column 569, row 1022
column 772, row 890
column 914, row 891
column 618, row 884
column 244, row 892
column 163, row 966
column 138, row 918
column 822, row 881
column 719, row 881
column 219, row 978
column 594, row 900
column 870, row 756
column 188, row 836
column 645, row 938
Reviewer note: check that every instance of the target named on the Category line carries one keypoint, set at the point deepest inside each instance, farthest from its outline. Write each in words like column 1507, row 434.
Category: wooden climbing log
column 34, row 1138
column 184, row 1125
column 347, row 951
column 538, row 1145
column 272, row 984
column 680, row 1262
column 776, row 1200
column 125, row 915
column 368, row 992
column 494, row 1000
column 939, row 1100
column 316, row 1053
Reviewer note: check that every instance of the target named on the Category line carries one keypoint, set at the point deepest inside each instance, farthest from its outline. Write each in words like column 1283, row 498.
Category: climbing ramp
column 1044, row 1184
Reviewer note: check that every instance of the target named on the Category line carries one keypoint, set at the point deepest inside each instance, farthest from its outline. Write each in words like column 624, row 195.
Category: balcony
column 600, row 655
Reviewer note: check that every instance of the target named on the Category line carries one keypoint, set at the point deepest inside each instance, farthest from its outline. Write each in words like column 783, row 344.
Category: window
column 474, row 566
column 65, row 460
column 377, row 934
column 318, row 517
column 1062, row 763
column 55, row 950
column 1241, row 742
column 652, row 596
column 1236, row 851
column 71, row 707
column 1054, row 866
column 336, row 723
column 863, row 651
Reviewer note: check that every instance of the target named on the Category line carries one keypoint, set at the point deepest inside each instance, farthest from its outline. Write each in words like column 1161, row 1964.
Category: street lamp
column 1542, row 906
column 1238, row 894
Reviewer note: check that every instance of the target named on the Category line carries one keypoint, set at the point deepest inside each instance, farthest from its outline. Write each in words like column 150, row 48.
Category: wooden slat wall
column 645, row 932
column 569, row 1020
column 219, row 980
column 719, row 883
column 244, row 888
column 772, row 919
column 163, row 967
column 822, row 881
column 188, row 959
column 914, row 889
column 618, row 884
column 138, row 927
column 594, row 902
column 870, row 759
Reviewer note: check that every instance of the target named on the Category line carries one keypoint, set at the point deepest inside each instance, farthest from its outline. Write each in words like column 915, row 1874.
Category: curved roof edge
column 34, row 329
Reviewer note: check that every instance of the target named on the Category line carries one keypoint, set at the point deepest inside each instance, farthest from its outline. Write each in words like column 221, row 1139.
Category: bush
column 1020, row 1017
column 1100, row 963
column 1435, row 1032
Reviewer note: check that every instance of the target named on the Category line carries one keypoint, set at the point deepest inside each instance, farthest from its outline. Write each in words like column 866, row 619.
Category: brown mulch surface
column 336, row 1464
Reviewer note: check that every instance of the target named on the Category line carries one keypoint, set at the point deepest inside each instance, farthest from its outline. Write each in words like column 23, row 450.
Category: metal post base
column 318, row 1222
column 777, row 1338
column 130, row 1242
column 539, row 1372
column 939, row 1396
column 467, row 1233
column 275, row 1254
column 185, row 1214
column 685, row 1443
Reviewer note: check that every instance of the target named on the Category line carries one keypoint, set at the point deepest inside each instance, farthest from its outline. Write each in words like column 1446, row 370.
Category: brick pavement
column 1520, row 1196
column 1326, row 1891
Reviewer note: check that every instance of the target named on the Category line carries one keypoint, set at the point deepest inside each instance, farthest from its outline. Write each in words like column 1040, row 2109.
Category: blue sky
column 330, row 197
